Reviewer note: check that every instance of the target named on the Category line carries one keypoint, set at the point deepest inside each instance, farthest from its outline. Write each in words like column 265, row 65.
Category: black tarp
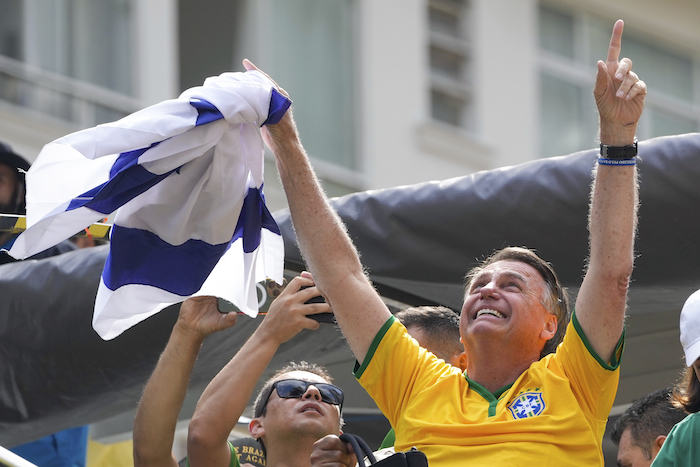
column 417, row 242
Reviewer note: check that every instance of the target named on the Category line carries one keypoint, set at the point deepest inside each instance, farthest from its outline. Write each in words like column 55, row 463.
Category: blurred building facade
column 386, row 92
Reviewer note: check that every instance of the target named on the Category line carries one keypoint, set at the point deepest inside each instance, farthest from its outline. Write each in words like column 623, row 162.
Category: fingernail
column 620, row 94
column 618, row 76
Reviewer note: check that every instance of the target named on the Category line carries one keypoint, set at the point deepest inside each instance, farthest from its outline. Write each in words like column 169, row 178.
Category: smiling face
column 504, row 302
column 307, row 416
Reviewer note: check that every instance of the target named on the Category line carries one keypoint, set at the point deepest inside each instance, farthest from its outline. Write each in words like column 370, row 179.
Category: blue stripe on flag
column 128, row 159
column 207, row 111
column 127, row 180
column 254, row 217
column 141, row 257
column 278, row 106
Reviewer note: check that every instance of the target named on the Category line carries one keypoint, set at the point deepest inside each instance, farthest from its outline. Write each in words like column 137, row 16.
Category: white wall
column 398, row 142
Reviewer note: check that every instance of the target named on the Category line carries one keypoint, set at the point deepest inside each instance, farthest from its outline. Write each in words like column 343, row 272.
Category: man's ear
column 460, row 360
column 656, row 446
column 256, row 428
column 550, row 328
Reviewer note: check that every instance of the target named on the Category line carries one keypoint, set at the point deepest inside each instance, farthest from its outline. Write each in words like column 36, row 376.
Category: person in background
column 66, row 448
column 12, row 201
column 229, row 391
column 681, row 447
column 436, row 328
column 642, row 429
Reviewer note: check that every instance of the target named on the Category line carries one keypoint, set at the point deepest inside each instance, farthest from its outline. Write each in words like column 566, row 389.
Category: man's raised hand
column 201, row 316
column 619, row 94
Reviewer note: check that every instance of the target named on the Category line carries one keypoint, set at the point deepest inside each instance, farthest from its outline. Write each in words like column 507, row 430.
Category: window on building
column 69, row 59
column 10, row 28
column 450, row 77
column 570, row 46
column 312, row 57
column 223, row 19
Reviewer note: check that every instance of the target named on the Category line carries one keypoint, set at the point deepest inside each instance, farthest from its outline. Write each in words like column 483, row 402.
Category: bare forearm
column 613, row 217
column 328, row 250
column 324, row 243
column 613, row 220
column 224, row 401
column 617, row 133
column 156, row 417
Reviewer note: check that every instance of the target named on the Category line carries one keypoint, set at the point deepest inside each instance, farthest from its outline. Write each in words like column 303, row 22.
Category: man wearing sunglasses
column 295, row 408
column 157, row 414
column 290, row 388
column 519, row 403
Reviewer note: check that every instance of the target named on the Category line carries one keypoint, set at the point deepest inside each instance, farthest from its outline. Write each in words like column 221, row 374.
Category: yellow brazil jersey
column 554, row 414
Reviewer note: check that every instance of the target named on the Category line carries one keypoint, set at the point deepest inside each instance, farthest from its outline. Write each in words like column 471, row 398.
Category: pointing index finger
column 615, row 43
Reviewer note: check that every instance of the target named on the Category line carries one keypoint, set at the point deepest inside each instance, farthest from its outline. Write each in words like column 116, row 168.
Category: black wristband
column 618, row 152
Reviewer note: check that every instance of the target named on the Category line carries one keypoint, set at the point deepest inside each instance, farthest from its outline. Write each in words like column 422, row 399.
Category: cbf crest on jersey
column 527, row 404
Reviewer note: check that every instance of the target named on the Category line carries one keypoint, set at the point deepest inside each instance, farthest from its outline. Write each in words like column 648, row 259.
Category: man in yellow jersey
column 511, row 407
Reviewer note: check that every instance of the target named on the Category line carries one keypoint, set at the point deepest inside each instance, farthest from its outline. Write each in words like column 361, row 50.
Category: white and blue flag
column 185, row 179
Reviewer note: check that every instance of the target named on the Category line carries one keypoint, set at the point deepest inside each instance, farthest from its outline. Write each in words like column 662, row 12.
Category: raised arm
column 226, row 397
column 156, row 417
column 325, row 245
column 602, row 299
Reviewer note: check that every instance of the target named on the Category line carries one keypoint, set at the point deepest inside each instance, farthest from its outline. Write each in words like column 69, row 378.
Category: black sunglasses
column 296, row 388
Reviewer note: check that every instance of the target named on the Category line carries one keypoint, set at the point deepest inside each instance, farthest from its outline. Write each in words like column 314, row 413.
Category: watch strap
column 618, row 152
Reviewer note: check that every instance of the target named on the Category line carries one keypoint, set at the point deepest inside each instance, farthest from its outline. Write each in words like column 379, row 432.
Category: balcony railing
column 61, row 97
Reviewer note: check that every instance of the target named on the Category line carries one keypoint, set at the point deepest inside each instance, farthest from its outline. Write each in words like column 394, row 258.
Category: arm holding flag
column 323, row 240
column 226, row 397
column 156, row 417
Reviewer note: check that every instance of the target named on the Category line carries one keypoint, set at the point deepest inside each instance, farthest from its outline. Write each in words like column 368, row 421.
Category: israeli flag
column 185, row 178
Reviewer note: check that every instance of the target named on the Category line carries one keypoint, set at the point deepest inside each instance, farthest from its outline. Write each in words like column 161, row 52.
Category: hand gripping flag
column 185, row 178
